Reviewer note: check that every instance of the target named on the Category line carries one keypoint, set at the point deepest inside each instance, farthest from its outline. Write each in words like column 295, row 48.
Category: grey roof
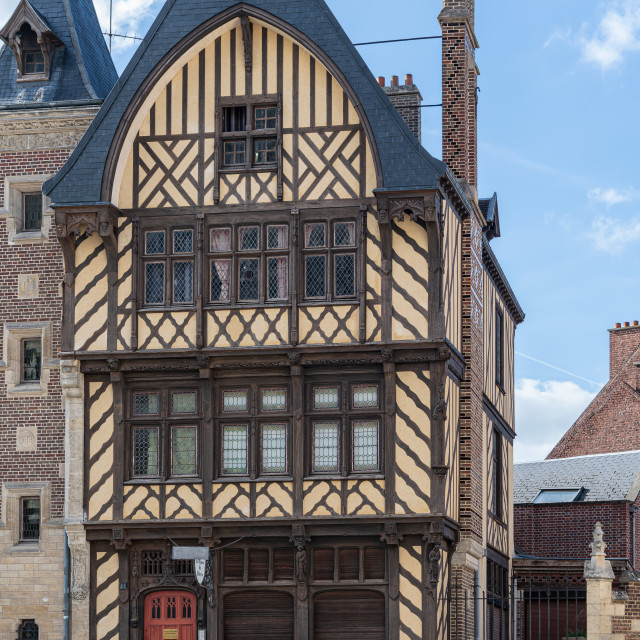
column 405, row 164
column 607, row 477
column 489, row 208
column 82, row 70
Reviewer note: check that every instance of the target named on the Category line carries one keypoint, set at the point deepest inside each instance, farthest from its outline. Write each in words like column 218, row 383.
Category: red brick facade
column 610, row 422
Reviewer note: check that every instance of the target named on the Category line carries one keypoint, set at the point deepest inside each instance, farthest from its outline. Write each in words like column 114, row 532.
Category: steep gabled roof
column 606, row 477
column 81, row 68
column 404, row 163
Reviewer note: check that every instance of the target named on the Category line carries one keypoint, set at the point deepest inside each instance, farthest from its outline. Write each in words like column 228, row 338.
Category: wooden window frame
column 499, row 348
column 346, row 415
column 255, row 417
column 165, row 420
column 250, row 103
column 330, row 251
column 235, row 255
column 169, row 259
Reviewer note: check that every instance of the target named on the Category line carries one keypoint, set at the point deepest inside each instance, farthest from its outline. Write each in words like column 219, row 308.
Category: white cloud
column 610, row 197
column 612, row 235
column 544, row 411
column 617, row 34
column 128, row 16
column 562, row 36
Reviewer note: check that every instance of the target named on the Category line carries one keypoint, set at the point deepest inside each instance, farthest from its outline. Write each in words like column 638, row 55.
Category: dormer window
column 32, row 56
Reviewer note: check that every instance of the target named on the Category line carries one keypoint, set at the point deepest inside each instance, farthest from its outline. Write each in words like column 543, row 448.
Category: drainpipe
column 632, row 511
column 66, row 613
column 477, row 623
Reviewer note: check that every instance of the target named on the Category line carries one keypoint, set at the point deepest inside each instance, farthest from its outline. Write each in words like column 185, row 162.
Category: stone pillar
column 600, row 605
column 73, row 393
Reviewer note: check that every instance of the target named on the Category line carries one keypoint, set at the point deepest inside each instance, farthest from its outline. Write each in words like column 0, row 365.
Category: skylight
column 548, row 496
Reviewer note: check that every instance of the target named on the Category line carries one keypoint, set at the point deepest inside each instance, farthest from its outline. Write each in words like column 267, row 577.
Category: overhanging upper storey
column 222, row 54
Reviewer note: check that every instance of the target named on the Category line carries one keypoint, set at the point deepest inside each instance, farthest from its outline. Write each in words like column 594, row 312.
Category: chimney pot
column 626, row 324
column 381, row 81
column 635, row 323
column 618, row 325
column 408, row 79
column 394, row 81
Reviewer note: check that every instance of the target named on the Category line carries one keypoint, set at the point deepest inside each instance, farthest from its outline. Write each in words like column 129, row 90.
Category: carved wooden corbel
column 299, row 539
column 119, row 539
column 390, row 534
column 431, row 550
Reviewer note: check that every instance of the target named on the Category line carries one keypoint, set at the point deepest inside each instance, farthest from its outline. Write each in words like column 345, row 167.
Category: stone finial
column 598, row 566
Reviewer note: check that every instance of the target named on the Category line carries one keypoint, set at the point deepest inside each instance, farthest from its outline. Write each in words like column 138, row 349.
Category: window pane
column 184, row 402
column 277, row 236
column 325, row 398
column 235, row 400
column 154, row 283
column 183, row 241
column 34, row 62
column 314, row 235
column 365, row 445
column 345, row 275
column 274, row 448
column 325, row 446
column 315, row 276
column 32, row 211
column 220, row 239
column 154, row 242
column 234, row 449
column 248, row 279
column 274, row 399
column 183, row 282
column 30, row 518
column 265, row 151
column 278, row 278
column 345, row 234
column 234, row 152
column 265, row 117
column 31, row 360
column 183, row 451
column 220, row 280
column 145, row 451
column 145, row 404
column 249, row 238
column 365, row 396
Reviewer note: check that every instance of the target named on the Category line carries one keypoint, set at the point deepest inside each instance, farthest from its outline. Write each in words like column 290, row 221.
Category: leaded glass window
column 32, row 211
column 184, row 442
column 345, row 275
column 315, row 235
column 220, row 280
column 184, row 402
column 344, row 234
column 235, row 400
column 183, row 282
column 365, row 445
column 154, row 242
column 234, row 449
column 274, row 399
column 325, row 446
column 28, row 629
column 220, row 239
column 146, row 404
column 326, row 397
column 154, row 282
column 30, row 522
column 277, row 236
column 274, row 448
column 365, row 396
column 145, row 451
column 315, row 276
column 31, row 360
column 183, row 241
column 248, row 279
column 278, row 278
column 249, row 238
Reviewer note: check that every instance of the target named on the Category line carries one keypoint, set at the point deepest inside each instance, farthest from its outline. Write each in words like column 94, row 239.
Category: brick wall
column 406, row 99
column 628, row 625
column 623, row 342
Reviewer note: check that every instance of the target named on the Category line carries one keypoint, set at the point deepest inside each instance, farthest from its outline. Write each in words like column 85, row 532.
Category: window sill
column 147, row 481
column 260, row 168
column 27, row 389
column 30, row 548
column 323, row 303
column 353, row 476
column 29, row 237
column 246, row 479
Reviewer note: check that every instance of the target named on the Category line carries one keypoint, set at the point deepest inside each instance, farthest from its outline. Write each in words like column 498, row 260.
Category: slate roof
column 607, row 477
column 82, row 70
column 405, row 164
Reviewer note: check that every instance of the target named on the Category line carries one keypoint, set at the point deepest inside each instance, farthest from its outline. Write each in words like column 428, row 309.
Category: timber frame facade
column 263, row 354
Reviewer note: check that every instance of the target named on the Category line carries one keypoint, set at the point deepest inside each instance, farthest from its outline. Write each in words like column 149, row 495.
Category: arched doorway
column 170, row 615
column 349, row 615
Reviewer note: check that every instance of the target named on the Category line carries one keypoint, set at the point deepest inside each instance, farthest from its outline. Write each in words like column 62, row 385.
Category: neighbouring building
column 610, row 422
column 287, row 353
column 557, row 504
column 55, row 72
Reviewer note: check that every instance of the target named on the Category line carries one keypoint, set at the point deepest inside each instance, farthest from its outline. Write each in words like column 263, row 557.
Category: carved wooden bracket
column 390, row 534
column 431, row 550
column 299, row 539
column 119, row 539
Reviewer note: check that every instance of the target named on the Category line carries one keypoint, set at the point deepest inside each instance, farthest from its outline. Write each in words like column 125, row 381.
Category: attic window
column 32, row 56
column 551, row 496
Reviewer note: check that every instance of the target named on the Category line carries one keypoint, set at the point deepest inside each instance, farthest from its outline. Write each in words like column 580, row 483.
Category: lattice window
column 220, row 280
column 183, row 282
column 30, row 519
column 184, row 402
column 274, row 448
column 278, row 278
column 248, row 279
column 325, row 446
column 184, row 451
column 31, row 360
column 183, row 241
column 235, row 400
column 248, row 238
column 234, row 449
column 145, row 451
column 316, row 276
column 365, row 445
column 220, row 239
column 154, row 283
column 274, row 399
column 32, row 211
column 154, row 242
column 146, row 404
column 152, row 563
column 28, row 629
column 326, row 397
column 344, row 234
column 365, row 396
column 345, row 275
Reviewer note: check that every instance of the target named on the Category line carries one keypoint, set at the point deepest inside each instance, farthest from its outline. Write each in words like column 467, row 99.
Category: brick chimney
column 624, row 340
column 406, row 99
column 459, row 91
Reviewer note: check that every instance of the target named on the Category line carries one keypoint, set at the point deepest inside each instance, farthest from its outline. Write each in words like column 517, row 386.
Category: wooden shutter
column 349, row 615
column 258, row 615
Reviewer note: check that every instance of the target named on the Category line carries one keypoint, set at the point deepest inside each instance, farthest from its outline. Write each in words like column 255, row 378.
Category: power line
column 362, row 44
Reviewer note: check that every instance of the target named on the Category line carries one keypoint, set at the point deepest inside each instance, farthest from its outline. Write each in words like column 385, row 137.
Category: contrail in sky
column 552, row 366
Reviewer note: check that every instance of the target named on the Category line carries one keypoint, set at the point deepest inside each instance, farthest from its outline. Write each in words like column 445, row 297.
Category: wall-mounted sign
column 190, row 553
column 169, row 634
column 201, row 568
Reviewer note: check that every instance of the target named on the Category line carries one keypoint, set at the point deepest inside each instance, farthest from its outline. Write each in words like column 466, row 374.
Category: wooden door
column 349, row 615
column 170, row 615
column 258, row 615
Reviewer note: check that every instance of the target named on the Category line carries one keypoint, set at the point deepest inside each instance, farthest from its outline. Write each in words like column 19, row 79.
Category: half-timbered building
column 286, row 341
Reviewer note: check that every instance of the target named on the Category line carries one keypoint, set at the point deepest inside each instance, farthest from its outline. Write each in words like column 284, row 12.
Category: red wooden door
column 170, row 615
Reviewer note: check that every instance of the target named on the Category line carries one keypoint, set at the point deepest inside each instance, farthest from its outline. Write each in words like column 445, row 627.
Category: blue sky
column 558, row 141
